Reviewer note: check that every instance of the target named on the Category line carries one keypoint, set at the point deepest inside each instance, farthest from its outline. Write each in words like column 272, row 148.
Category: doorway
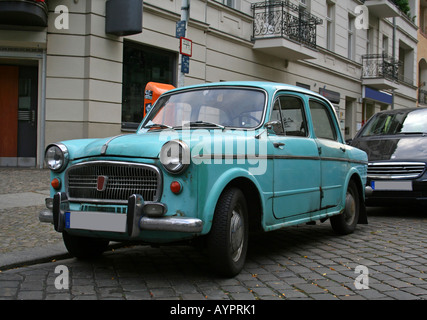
column 19, row 108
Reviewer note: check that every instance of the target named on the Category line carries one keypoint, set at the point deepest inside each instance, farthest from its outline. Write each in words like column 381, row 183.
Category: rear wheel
column 228, row 239
column 84, row 247
column 346, row 222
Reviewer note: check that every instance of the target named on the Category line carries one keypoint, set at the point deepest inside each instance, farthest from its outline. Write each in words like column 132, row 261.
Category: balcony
column 284, row 30
column 380, row 71
column 382, row 8
column 23, row 12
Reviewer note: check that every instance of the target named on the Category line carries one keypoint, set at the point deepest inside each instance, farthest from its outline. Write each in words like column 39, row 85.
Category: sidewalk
column 24, row 239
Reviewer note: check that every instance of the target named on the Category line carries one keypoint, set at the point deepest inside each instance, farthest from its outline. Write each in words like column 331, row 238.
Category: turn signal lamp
column 56, row 184
column 176, row 187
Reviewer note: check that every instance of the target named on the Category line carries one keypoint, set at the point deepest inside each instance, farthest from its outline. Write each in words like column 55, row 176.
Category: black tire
column 84, row 247
column 227, row 241
column 346, row 222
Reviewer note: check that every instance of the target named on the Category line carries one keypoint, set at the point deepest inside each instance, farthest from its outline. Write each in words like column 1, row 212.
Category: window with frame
column 330, row 26
column 228, row 3
column 351, row 38
column 322, row 121
column 289, row 110
column 142, row 64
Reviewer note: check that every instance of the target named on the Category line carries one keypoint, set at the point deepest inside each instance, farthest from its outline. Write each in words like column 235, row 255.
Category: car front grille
column 112, row 182
column 395, row 170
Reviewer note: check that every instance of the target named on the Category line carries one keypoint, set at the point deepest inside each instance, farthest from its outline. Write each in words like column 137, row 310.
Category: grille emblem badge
column 101, row 183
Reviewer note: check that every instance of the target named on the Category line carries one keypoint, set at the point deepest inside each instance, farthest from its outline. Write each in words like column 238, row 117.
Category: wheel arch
column 357, row 180
column 251, row 190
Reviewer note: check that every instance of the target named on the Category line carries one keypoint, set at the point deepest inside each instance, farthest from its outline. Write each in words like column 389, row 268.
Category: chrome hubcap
column 236, row 235
column 350, row 209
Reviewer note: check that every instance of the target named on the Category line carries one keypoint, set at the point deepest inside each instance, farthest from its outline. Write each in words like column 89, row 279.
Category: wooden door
column 9, row 111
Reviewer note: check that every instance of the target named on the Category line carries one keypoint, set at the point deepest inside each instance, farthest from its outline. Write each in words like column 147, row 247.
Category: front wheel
column 227, row 241
column 346, row 222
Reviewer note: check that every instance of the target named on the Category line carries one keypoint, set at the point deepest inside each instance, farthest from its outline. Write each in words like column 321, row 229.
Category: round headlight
column 175, row 156
column 56, row 157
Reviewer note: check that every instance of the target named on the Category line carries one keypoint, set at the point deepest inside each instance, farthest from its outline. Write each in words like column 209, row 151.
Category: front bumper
column 414, row 193
column 132, row 223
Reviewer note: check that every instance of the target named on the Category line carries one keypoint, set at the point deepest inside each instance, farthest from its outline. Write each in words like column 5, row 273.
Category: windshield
column 397, row 123
column 208, row 107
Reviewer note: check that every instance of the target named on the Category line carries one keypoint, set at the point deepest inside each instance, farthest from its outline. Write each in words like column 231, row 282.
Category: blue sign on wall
column 378, row 95
column 185, row 64
column 180, row 29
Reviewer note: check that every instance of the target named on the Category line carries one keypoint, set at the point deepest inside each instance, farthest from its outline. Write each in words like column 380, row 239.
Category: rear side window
column 322, row 121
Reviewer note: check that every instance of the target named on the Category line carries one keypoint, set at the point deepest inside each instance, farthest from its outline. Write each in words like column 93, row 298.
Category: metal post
column 185, row 15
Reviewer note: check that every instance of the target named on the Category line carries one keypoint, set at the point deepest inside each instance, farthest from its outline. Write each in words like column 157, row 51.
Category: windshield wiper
column 154, row 125
column 203, row 124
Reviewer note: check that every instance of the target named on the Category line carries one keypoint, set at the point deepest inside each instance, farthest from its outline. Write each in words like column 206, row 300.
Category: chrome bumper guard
column 58, row 212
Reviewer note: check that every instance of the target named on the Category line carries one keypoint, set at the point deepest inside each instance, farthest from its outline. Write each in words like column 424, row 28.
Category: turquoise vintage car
column 213, row 162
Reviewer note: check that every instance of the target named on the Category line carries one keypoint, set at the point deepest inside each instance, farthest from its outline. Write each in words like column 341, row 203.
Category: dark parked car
column 396, row 144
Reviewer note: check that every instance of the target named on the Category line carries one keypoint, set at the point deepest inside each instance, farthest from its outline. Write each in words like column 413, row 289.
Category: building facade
column 75, row 70
column 422, row 54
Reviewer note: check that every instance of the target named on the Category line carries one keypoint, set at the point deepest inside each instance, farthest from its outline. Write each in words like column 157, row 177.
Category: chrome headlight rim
column 177, row 163
column 64, row 157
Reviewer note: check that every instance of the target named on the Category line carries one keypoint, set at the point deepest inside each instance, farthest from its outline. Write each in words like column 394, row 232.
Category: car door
column 296, row 161
column 332, row 152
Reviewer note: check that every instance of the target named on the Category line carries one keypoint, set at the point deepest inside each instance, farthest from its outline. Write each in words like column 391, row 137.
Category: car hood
column 127, row 145
column 393, row 148
column 149, row 144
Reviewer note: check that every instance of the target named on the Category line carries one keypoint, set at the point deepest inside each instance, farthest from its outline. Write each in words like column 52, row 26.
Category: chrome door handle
column 278, row 144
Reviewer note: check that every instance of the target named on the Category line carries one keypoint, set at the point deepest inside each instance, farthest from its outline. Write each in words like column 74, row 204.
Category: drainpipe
column 42, row 111
column 185, row 15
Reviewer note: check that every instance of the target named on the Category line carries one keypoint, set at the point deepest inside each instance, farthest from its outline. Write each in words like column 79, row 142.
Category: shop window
column 142, row 64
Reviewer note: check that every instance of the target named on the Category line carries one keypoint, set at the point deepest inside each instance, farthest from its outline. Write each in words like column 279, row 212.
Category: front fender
column 215, row 192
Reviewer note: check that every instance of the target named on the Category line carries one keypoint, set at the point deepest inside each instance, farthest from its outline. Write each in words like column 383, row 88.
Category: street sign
column 186, row 47
column 180, row 29
column 185, row 64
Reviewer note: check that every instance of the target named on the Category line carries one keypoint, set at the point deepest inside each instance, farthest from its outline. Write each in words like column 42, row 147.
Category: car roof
column 266, row 85
column 401, row 110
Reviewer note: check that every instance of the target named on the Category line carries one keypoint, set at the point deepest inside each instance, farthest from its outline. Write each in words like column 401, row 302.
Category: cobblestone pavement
column 304, row 262
column 22, row 193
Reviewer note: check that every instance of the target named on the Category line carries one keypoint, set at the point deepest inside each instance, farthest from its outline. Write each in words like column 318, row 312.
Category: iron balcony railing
column 273, row 19
column 380, row 66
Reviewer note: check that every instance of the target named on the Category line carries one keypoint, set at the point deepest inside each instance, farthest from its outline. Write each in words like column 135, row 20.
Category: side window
column 291, row 114
column 322, row 121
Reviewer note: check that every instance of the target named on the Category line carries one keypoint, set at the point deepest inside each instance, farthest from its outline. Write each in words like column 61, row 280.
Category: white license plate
column 96, row 221
column 392, row 185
